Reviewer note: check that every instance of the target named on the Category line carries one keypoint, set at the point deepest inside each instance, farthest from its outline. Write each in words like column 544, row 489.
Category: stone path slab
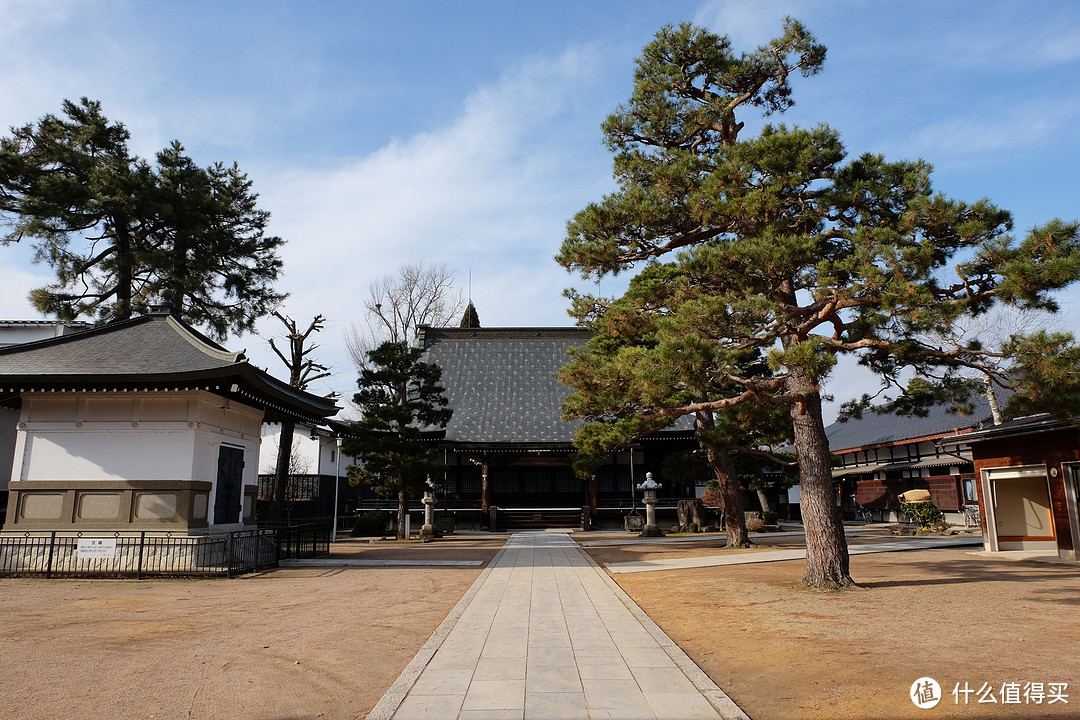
column 759, row 556
column 544, row 633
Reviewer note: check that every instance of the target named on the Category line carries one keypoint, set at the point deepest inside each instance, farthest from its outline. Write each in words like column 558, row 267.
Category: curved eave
column 242, row 382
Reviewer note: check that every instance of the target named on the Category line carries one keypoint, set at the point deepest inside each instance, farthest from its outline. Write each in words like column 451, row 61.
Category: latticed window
column 614, row 481
column 567, row 482
column 503, row 482
column 471, row 482
column 536, row 481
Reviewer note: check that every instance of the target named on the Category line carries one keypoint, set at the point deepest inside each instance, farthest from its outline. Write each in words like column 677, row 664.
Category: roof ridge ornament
column 162, row 304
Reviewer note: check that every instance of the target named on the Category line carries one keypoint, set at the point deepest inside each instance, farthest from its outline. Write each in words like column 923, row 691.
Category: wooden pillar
column 485, row 489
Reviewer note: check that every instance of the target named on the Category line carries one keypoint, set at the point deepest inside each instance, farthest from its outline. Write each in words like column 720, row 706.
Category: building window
column 969, row 491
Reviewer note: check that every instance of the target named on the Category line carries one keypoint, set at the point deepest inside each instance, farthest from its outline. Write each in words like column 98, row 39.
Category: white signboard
column 97, row 548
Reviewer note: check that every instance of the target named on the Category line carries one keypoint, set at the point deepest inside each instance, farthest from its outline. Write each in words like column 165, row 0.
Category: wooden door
column 229, row 500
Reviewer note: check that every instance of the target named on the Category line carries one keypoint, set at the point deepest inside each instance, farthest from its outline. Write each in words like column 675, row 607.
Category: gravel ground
column 782, row 651
column 327, row 643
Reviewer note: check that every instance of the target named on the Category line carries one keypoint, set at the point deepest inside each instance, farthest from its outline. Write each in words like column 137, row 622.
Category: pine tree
column 776, row 244
column 118, row 230
column 400, row 399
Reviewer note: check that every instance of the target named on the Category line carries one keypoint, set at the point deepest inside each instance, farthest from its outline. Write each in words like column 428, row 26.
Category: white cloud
column 1033, row 40
column 751, row 23
column 989, row 130
column 22, row 16
column 489, row 192
column 17, row 278
column 1063, row 46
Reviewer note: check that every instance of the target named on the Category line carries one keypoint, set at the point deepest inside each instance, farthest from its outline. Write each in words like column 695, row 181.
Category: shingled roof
column 501, row 382
column 874, row 429
column 151, row 352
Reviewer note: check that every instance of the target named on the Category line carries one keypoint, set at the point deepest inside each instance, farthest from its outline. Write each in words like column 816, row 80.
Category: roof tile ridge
column 203, row 344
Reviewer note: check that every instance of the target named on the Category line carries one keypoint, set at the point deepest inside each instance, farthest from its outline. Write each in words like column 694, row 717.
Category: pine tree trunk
column 827, row 560
column 728, row 477
column 125, row 269
column 402, row 511
column 281, row 472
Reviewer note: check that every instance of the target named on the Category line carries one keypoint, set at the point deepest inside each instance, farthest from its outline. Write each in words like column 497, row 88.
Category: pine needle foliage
column 778, row 245
column 118, row 230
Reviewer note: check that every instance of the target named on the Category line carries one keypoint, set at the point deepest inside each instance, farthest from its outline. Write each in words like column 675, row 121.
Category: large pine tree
column 777, row 244
column 117, row 229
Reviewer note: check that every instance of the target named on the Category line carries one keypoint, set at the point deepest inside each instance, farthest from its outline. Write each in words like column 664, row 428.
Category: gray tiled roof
column 143, row 346
column 151, row 351
column 874, row 429
column 501, row 382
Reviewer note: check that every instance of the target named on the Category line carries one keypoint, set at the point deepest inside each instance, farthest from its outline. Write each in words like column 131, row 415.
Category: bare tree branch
column 420, row 294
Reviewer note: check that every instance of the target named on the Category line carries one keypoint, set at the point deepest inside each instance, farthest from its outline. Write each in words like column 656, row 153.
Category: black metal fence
column 303, row 541
column 152, row 554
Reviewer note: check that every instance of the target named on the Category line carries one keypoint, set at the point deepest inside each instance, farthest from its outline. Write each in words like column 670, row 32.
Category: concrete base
column 651, row 531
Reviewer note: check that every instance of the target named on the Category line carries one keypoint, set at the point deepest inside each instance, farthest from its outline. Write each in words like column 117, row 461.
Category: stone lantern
column 427, row 532
column 649, row 488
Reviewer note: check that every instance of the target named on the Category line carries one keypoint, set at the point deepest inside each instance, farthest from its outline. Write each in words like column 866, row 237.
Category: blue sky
column 379, row 133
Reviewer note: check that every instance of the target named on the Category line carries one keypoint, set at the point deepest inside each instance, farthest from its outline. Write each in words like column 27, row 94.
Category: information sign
column 97, row 548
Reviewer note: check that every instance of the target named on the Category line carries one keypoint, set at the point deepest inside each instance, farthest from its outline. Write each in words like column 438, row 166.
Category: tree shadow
column 964, row 572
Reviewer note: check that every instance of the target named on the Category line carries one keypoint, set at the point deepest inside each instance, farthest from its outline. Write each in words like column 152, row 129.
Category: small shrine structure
column 142, row 424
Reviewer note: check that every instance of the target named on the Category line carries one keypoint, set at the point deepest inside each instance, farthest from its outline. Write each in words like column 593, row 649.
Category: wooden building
column 1028, row 474
column 879, row 456
column 507, row 446
column 144, row 424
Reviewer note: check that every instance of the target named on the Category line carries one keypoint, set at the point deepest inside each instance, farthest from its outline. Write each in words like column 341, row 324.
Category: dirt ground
column 782, row 651
column 307, row 643
column 284, row 644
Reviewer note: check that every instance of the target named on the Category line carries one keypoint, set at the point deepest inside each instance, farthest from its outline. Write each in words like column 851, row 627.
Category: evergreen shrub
column 370, row 524
column 925, row 514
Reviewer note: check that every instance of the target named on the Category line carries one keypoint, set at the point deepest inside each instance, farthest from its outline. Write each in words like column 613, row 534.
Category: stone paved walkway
column 760, row 556
column 545, row 633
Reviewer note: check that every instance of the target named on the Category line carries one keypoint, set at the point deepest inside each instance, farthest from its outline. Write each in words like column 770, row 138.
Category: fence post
column 228, row 549
column 48, row 563
column 142, row 542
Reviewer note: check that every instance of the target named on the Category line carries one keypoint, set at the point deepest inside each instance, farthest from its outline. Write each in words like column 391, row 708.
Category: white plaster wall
column 108, row 454
column 133, row 436
column 311, row 456
column 17, row 333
